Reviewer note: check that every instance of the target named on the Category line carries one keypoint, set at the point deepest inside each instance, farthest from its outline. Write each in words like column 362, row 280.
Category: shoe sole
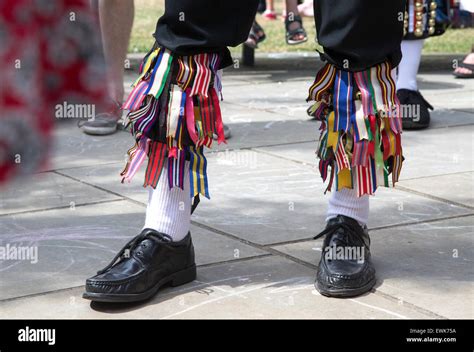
column 414, row 126
column 99, row 131
column 296, row 42
column 344, row 292
column 177, row 279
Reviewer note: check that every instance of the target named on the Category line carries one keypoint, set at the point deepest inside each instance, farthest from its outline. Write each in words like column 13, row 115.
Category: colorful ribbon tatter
column 361, row 127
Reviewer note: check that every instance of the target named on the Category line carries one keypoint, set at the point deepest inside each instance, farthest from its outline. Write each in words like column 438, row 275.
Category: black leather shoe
column 144, row 264
column 414, row 109
column 345, row 268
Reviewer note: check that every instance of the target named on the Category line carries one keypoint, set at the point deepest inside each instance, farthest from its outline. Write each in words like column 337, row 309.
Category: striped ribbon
column 146, row 64
column 178, row 139
column 176, row 169
column 156, row 162
column 203, row 75
column 341, row 156
column 379, row 163
column 208, row 115
column 136, row 97
column 376, row 89
column 143, row 119
column 198, row 172
column 203, row 126
column 318, row 109
column 215, row 64
column 364, row 84
column 160, row 73
column 177, row 101
column 344, row 107
column 365, row 179
column 186, row 71
column 358, row 123
column 360, row 155
column 136, row 157
column 396, row 168
column 322, row 84
column 389, row 93
column 323, row 168
column 322, row 150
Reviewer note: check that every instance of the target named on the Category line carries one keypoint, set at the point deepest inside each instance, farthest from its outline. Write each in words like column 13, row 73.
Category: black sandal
column 291, row 33
column 465, row 75
column 254, row 38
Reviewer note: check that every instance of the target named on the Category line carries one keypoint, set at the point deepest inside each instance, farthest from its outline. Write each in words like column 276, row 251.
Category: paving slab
column 73, row 244
column 442, row 82
column 461, row 100
column 430, row 152
column 257, row 289
column 266, row 200
column 443, row 117
column 277, row 94
column 457, row 188
column 48, row 190
column 107, row 177
column 444, row 91
column 428, row 265
column 251, row 128
column 451, row 151
column 73, row 148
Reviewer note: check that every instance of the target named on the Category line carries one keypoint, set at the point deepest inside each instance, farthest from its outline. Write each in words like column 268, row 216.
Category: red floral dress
column 50, row 54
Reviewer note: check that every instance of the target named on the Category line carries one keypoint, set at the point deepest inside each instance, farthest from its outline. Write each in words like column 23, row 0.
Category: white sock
column 408, row 67
column 345, row 202
column 169, row 210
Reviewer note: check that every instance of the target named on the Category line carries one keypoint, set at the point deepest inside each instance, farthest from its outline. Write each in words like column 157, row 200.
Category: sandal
column 465, row 75
column 292, row 33
column 256, row 36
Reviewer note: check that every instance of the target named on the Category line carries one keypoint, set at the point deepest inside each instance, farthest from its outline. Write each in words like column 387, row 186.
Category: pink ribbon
column 190, row 117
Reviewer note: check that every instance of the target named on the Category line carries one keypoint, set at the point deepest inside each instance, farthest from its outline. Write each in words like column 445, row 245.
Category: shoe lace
column 132, row 244
column 347, row 237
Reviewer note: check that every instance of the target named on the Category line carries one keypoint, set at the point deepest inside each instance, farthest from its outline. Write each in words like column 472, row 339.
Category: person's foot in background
column 256, row 36
column 295, row 33
column 415, row 108
column 270, row 13
column 416, row 115
column 306, row 9
column 116, row 20
column 466, row 68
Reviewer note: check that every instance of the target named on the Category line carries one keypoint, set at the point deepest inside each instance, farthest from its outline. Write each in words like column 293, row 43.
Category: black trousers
column 355, row 34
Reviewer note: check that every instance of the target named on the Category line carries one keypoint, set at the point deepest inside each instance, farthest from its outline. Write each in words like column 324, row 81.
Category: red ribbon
column 398, row 144
column 219, row 123
column 173, row 152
